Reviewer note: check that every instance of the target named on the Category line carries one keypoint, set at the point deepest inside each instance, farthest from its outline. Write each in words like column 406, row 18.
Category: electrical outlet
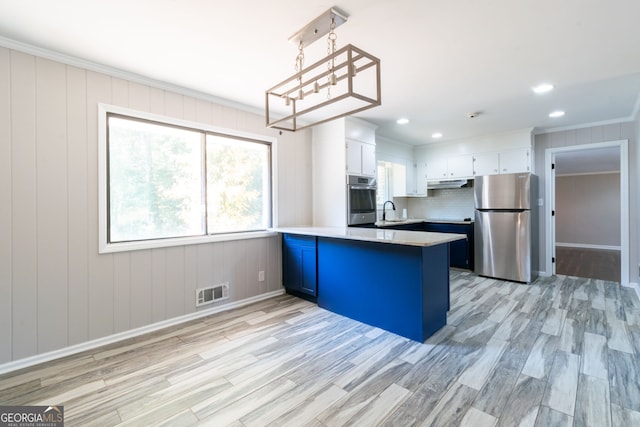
column 261, row 276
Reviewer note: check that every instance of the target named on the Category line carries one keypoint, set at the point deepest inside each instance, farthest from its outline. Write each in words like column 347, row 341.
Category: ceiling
column 441, row 60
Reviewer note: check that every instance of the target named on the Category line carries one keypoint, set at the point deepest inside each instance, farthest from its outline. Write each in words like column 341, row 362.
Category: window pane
column 155, row 181
column 238, row 185
column 382, row 193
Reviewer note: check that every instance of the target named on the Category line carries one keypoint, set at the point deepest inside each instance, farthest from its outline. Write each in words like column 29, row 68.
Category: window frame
column 104, row 246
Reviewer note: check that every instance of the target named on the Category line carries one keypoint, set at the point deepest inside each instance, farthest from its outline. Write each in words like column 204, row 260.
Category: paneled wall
column 55, row 289
column 589, row 135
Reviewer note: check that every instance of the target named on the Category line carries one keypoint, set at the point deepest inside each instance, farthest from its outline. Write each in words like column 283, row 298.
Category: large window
column 171, row 182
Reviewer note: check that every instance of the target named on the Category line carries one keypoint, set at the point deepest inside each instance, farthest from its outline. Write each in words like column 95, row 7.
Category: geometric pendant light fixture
column 345, row 82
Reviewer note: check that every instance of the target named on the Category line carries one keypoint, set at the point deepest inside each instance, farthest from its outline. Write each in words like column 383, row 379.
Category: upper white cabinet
column 508, row 161
column 460, row 166
column 421, row 177
column 361, row 158
column 360, row 138
column 486, row 164
column 513, row 161
column 449, row 168
column 435, row 169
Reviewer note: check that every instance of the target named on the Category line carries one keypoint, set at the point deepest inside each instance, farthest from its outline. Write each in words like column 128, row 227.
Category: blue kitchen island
column 393, row 279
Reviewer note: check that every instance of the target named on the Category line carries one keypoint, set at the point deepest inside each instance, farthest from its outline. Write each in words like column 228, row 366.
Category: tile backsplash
column 452, row 204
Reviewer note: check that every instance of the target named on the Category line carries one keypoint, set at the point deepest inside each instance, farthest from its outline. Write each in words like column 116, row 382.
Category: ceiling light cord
column 331, row 49
column 299, row 66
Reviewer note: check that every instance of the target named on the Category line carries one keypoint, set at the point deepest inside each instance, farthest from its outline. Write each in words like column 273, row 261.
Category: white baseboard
column 587, row 246
column 634, row 286
column 74, row 349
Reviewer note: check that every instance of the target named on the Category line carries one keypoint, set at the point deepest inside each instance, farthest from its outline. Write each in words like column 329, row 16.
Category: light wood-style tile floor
column 560, row 352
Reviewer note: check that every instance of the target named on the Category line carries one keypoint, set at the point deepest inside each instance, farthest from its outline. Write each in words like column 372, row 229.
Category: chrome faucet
column 384, row 214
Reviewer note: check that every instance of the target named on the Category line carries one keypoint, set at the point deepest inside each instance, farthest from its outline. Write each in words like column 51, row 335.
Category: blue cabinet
column 460, row 251
column 299, row 265
column 399, row 288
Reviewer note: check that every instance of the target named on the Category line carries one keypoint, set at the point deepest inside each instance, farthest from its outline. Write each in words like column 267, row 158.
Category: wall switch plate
column 540, row 202
column 261, row 276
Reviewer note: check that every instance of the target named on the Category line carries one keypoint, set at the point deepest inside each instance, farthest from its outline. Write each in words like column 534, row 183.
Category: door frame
column 550, row 192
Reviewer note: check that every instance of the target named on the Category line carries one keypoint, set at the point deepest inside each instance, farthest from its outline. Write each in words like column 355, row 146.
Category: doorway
column 587, row 220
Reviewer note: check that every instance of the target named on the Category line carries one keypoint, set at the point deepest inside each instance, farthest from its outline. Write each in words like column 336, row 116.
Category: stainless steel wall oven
column 361, row 200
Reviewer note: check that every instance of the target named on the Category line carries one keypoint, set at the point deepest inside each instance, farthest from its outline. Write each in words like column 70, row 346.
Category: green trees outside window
column 166, row 181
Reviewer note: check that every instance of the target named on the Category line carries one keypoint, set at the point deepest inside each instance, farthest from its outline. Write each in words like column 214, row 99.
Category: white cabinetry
column 421, row 177
column 331, row 160
column 509, row 161
column 449, row 168
column 361, row 158
column 436, row 169
column 486, row 164
column 460, row 166
column 513, row 161
column 442, row 168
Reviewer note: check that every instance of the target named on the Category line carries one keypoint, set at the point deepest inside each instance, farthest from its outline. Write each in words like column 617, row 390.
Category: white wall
column 55, row 289
column 588, row 210
column 329, row 176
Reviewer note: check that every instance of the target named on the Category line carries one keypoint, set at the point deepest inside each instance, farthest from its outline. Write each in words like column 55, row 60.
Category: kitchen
column 59, row 295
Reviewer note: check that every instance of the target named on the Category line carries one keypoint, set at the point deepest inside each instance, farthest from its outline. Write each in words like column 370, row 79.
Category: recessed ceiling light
column 542, row 88
column 402, row 121
column 556, row 114
column 436, row 135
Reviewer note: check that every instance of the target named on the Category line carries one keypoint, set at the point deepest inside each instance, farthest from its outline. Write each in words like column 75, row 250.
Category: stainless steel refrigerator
column 506, row 238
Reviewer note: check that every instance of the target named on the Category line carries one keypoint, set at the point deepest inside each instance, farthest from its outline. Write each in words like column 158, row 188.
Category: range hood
column 449, row 183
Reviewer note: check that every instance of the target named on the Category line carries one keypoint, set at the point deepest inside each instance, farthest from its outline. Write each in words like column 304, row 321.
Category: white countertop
column 396, row 237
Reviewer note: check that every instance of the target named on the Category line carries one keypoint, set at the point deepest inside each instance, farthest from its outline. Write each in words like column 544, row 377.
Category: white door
column 550, row 175
column 552, row 209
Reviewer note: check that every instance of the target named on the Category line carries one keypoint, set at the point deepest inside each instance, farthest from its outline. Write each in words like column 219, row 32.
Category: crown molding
column 122, row 74
column 538, row 131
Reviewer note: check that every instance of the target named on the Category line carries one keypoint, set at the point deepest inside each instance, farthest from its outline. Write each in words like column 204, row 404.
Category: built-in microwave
column 361, row 200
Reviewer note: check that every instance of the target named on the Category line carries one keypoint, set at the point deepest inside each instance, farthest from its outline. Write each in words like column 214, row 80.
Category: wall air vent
column 211, row 294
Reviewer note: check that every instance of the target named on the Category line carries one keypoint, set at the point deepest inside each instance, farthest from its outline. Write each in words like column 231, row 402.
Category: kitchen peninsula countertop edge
column 396, row 237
